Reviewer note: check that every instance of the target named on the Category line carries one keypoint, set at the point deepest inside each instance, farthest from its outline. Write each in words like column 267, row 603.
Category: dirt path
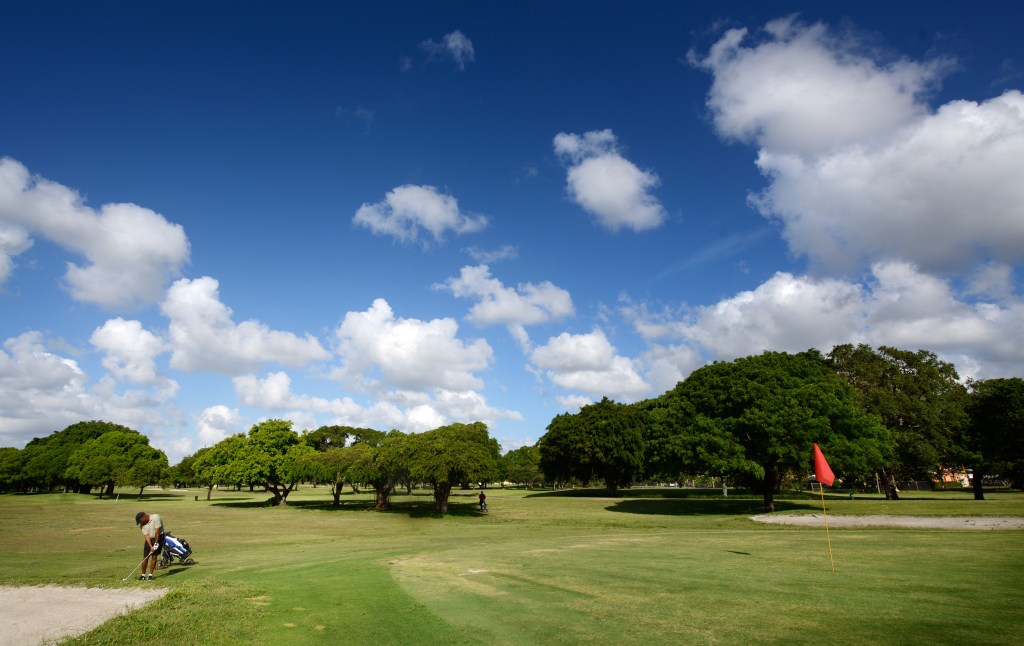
column 930, row 522
column 41, row 614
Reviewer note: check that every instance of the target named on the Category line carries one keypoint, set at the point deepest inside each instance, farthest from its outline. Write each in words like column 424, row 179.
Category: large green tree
column 759, row 417
column 452, row 454
column 46, row 459
column 213, row 465
column 918, row 398
column 604, row 440
column 12, row 465
column 118, row 457
column 522, row 466
column 992, row 442
column 382, row 463
column 272, row 457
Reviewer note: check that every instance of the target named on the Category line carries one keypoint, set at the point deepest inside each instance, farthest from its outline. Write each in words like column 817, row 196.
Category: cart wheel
column 189, row 562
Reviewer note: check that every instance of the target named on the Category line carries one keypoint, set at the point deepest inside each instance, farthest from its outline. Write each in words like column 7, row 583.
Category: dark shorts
column 145, row 549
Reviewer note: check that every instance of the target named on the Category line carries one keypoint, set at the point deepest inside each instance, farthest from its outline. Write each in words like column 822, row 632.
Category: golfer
column 153, row 531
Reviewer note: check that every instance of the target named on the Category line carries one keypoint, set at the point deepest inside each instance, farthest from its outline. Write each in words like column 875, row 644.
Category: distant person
column 153, row 531
column 483, row 501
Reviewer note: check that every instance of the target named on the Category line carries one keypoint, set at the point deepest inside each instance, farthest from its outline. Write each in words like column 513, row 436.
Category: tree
column 522, row 466
column 118, row 457
column 451, row 454
column 759, row 417
column 213, row 464
column 46, row 459
column 381, row 463
column 917, row 396
column 263, row 458
column 12, row 465
column 993, row 439
column 604, row 440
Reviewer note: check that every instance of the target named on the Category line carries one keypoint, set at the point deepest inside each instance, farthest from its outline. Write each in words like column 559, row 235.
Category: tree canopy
column 993, row 439
column 918, row 398
column 604, row 440
column 450, row 455
column 759, row 417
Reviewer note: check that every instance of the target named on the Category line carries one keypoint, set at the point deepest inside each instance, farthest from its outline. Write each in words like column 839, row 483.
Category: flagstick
column 821, row 488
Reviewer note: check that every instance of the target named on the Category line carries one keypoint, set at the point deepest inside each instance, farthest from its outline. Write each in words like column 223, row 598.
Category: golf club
column 135, row 568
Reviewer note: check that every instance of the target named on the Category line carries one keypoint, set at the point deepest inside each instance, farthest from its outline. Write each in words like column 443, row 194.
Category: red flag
column 822, row 472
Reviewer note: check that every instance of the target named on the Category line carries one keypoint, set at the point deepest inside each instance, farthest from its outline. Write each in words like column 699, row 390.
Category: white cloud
column 42, row 392
column 13, row 241
column 131, row 252
column 204, row 337
column 859, row 166
column 608, row 185
column 130, row 350
column 590, row 363
column 801, row 90
column 955, row 174
column 381, row 349
column 455, row 46
column 407, row 410
column 216, row 423
column 408, row 210
column 526, row 304
column 900, row 307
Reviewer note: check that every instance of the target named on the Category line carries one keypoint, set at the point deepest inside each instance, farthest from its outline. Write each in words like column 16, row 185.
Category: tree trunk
column 383, row 498
column 611, row 486
column 110, row 489
column 141, row 489
column 769, row 489
column 891, row 491
column 441, row 492
column 977, row 484
column 209, row 490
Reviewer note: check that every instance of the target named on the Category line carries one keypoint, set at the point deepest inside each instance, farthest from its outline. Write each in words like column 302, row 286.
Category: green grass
column 656, row 566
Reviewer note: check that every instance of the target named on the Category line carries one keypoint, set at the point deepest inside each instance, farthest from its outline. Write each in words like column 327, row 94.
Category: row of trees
column 277, row 458
column 893, row 414
column 84, row 456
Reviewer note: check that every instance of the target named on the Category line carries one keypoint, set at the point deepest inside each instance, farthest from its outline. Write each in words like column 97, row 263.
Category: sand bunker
column 937, row 522
column 40, row 614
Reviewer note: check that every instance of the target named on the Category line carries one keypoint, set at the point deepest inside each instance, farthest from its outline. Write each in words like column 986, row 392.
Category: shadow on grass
column 417, row 505
column 644, row 492
column 699, row 507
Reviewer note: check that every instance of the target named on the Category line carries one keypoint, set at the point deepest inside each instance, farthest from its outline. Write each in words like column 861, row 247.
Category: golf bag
column 175, row 548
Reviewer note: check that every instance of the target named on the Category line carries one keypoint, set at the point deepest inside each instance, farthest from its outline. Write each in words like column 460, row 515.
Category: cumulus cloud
column 203, row 336
column 408, row 210
column 858, row 164
column 454, row 46
column 216, row 423
column 131, row 252
column 608, row 185
column 406, row 410
column 130, row 350
column 526, row 304
column 800, row 89
column 380, row 349
column 899, row 306
column 42, row 392
column 13, row 241
column 591, row 364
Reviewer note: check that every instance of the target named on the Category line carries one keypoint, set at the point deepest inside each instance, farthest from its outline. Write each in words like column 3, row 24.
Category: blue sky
column 402, row 215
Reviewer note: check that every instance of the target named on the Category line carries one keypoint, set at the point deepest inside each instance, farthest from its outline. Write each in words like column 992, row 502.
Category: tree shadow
column 699, row 507
column 643, row 492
